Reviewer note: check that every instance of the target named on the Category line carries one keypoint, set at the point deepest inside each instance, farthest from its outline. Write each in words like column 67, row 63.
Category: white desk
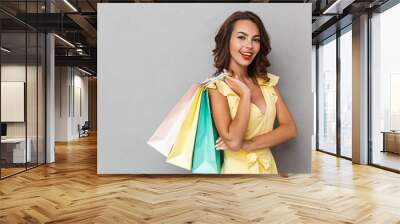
column 19, row 149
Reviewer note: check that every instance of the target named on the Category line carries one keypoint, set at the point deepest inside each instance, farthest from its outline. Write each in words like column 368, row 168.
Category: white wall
column 61, row 103
column 79, row 117
column 67, row 115
column 314, row 92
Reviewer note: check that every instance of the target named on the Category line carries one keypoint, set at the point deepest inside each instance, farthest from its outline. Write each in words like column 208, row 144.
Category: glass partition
column 22, row 77
column 346, row 93
column 327, row 96
column 41, row 88
column 14, row 153
column 385, row 89
column 31, row 100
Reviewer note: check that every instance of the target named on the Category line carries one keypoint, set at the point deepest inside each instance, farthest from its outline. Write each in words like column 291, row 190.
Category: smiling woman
column 246, row 103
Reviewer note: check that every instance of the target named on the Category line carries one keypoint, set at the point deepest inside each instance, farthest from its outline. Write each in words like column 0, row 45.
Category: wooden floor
column 70, row 191
column 387, row 159
column 5, row 172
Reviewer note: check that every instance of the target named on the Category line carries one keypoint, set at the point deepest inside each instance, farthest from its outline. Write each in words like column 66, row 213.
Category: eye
column 242, row 37
column 257, row 40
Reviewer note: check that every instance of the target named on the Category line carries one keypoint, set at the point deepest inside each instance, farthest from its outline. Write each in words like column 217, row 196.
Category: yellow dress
column 256, row 161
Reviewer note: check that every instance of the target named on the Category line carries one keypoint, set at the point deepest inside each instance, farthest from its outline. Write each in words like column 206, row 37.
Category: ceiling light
column 65, row 41
column 338, row 6
column 5, row 50
column 331, row 7
column 84, row 71
column 70, row 5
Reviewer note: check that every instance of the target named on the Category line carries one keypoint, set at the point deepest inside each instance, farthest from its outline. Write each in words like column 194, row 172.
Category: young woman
column 246, row 103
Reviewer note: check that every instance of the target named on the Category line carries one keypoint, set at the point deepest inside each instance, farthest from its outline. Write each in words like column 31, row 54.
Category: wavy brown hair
column 222, row 57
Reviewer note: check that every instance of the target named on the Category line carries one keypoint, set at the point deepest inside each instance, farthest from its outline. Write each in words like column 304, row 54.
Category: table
column 391, row 141
column 13, row 150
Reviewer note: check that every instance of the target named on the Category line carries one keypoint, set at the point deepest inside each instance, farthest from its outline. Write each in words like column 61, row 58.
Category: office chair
column 84, row 130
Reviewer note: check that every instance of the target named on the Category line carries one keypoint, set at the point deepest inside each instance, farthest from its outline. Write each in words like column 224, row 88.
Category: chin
column 245, row 63
column 242, row 62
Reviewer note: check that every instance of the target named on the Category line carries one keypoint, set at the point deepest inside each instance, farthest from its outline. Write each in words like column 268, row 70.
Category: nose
column 249, row 43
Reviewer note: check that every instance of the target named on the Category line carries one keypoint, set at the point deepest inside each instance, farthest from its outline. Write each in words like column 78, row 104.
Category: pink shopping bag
column 164, row 137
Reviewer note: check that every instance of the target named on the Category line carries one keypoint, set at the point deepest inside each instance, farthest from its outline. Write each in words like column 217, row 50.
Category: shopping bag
column 181, row 153
column 164, row 137
column 206, row 159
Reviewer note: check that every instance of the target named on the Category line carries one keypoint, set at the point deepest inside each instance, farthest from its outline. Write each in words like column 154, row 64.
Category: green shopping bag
column 206, row 159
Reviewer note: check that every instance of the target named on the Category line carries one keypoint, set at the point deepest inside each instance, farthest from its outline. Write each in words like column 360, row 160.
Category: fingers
column 234, row 83
column 230, row 81
column 228, row 73
column 221, row 147
column 220, row 144
column 229, row 77
column 219, row 140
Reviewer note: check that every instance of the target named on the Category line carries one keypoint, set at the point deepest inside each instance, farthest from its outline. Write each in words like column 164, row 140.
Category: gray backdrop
column 150, row 54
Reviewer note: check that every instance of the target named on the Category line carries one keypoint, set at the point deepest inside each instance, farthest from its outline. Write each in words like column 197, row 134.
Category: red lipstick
column 246, row 57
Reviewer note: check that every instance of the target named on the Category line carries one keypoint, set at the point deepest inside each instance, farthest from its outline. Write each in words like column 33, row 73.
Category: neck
column 239, row 71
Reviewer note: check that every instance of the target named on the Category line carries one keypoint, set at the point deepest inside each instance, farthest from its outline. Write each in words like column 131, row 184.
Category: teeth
column 248, row 54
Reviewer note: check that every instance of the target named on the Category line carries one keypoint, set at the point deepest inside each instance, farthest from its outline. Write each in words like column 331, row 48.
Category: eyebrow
column 247, row 34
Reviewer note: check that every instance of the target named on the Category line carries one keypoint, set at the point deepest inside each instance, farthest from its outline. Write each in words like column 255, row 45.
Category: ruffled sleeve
column 273, row 80
column 222, row 87
column 268, row 86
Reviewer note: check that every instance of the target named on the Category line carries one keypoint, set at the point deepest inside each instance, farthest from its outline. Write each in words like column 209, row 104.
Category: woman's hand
column 236, row 85
column 246, row 145
column 221, row 145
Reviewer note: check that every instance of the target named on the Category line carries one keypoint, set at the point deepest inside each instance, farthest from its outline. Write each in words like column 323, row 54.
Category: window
column 385, row 88
column 346, row 93
column 327, row 96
